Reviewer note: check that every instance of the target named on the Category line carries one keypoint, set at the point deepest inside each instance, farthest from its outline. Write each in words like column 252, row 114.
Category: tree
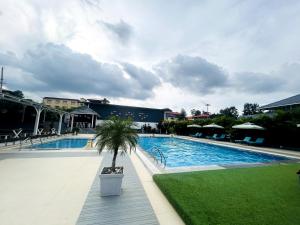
column 182, row 114
column 116, row 134
column 251, row 109
column 230, row 111
column 195, row 112
column 18, row 94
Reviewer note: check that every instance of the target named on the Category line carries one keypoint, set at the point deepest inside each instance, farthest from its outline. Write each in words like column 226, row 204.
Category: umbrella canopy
column 248, row 126
column 213, row 125
column 194, row 125
column 134, row 126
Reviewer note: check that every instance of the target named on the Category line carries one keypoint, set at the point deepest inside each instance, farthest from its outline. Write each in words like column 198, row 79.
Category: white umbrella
column 248, row 126
column 213, row 125
column 194, row 125
column 134, row 126
column 298, row 125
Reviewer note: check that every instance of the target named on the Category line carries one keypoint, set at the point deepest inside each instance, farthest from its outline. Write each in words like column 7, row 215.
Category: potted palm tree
column 114, row 135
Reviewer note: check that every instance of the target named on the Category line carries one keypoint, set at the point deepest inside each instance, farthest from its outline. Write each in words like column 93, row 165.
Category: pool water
column 180, row 152
column 63, row 143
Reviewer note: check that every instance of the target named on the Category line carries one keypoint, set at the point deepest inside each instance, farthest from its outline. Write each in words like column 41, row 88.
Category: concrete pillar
column 92, row 121
column 59, row 124
column 72, row 121
column 37, row 119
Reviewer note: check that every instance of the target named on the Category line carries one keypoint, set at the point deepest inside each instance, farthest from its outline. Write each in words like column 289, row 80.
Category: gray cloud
column 58, row 68
column 121, row 30
column 257, row 82
column 192, row 73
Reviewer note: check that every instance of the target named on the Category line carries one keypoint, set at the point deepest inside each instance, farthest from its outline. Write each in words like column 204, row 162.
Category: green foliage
column 115, row 134
column 195, row 112
column 261, row 195
column 182, row 114
column 251, row 109
column 280, row 126
column 230, row 111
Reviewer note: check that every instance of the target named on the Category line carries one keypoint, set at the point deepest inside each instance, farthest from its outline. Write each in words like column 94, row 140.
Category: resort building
column 140, row 115
column 62, row 103
column 284, row 104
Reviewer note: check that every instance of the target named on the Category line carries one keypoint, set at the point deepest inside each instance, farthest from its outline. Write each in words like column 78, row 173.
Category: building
column 140, row 115
column 195, row 117
column 63, row 103
column 284, row 104
column 172, row 116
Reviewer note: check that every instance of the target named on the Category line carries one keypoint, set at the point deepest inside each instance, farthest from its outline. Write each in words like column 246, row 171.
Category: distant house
column 172, row 116
column 66, row 103
column 195, row 117
column 284, row 104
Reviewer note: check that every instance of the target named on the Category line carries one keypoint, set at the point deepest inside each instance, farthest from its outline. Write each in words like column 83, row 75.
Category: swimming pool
column 180, row 152
column 62, row 143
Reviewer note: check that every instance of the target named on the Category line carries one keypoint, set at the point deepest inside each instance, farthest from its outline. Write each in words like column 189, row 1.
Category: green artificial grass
column 260, row 195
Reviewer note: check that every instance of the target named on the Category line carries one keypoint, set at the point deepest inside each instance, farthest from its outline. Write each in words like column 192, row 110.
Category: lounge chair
column 245, row 140
column 213, row 137
column 197, row 135
column 221, row 138
column 258, row 141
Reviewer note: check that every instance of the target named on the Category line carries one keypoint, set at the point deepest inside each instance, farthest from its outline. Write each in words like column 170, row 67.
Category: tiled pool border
column 158, row 168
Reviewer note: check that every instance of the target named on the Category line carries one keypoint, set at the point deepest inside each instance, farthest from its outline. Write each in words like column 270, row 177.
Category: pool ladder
column 154, row 151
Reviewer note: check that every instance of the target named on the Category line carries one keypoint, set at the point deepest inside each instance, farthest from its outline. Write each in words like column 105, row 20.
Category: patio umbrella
column 134, row 126
column 248, row 126
column 213, row 125
column 194, row 126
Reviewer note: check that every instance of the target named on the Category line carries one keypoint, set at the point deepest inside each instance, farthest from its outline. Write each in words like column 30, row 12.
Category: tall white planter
column 110, row 184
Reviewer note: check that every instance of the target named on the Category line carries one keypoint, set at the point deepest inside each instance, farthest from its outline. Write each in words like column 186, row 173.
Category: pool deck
column 62, row 187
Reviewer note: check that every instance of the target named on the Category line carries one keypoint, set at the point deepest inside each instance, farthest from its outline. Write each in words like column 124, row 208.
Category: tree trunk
column 113, row 165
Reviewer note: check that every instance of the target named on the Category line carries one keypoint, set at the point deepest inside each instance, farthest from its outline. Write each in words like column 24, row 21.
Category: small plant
column 116, row 134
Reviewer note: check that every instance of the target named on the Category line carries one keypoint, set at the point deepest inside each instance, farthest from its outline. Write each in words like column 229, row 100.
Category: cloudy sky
column 158, row 53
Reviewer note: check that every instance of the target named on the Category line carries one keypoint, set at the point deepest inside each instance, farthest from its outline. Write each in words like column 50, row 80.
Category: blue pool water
column 181, row 152
column 63, row 143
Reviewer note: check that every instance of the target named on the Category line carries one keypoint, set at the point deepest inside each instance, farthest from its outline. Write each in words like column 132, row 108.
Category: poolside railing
column 156, row 151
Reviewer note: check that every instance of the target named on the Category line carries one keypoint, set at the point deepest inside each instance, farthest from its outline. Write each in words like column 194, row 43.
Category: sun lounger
column 220, row 138
column 197, row 135
column 246, row 140
column 258, row 141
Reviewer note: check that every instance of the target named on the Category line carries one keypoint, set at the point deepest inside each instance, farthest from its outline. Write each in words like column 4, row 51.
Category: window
column 56, row 101
column 49, row 101
column 73, row 103
column 65, row 101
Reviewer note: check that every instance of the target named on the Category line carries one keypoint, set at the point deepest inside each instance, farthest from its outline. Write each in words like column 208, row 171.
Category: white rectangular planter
column 110, row 184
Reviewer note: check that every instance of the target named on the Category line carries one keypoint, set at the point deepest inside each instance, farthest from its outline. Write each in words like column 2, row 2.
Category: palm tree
column 116, row 134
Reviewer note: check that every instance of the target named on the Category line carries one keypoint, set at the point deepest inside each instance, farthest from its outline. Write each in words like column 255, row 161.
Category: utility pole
column 207, row 105
column 1, row 80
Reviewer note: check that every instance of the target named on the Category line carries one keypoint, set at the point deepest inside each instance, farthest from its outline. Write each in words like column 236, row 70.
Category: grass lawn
column 260, row 195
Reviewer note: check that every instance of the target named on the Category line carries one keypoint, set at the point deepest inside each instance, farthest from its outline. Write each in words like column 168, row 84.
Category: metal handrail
column 163, row 159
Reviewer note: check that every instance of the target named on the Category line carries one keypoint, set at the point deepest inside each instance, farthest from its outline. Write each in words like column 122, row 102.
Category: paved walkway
column 46, row 188
column 132, row 207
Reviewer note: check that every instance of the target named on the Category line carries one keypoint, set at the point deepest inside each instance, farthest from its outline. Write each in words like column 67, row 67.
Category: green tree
column 251, row 109
column 18, row 94
column 116, row 134
column 195, row 112
column 230, row 111
column 182, row 114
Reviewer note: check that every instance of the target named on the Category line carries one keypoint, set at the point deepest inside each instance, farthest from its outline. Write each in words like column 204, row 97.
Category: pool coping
column 158, row 168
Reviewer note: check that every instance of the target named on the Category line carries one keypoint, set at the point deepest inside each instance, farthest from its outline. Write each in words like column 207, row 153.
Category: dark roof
column 294, row 100
column 138, row 114
column 84, row 110
column 72, row 99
